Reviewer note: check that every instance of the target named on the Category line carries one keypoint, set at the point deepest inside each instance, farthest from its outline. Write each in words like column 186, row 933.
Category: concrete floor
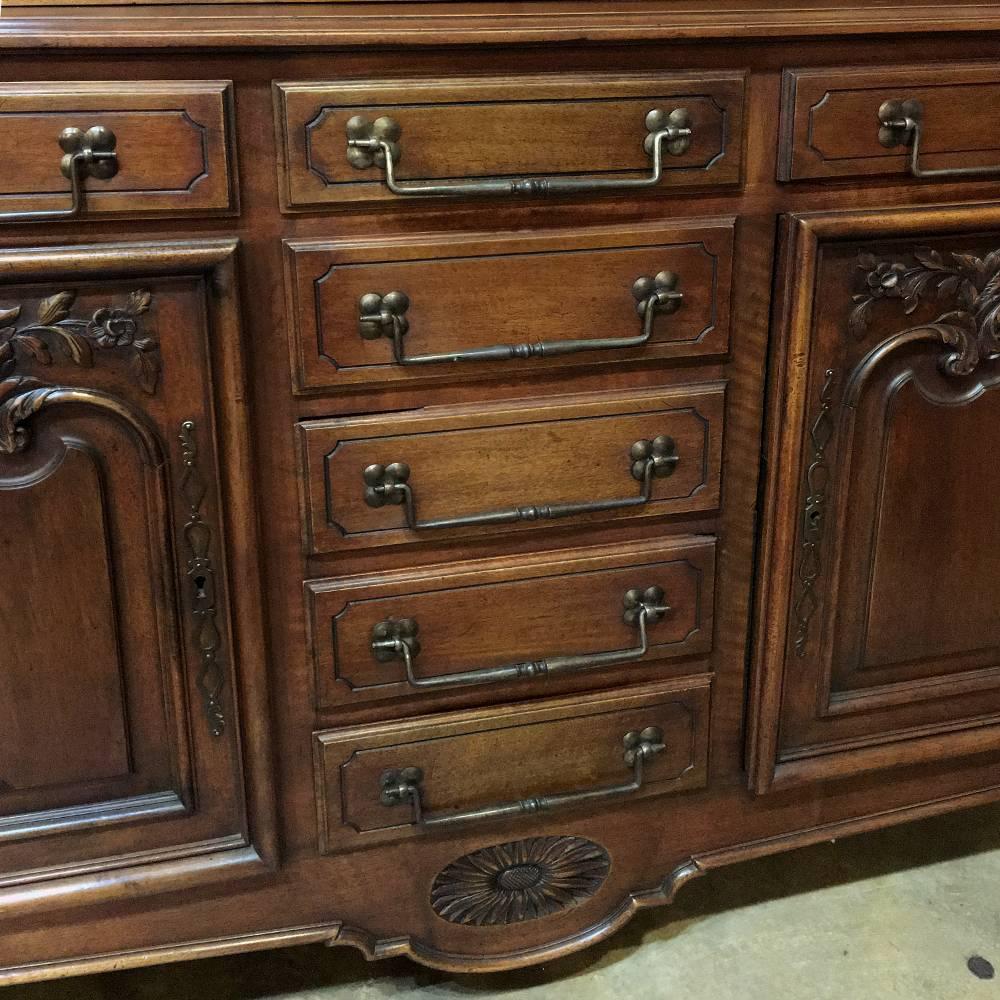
column 895, row 914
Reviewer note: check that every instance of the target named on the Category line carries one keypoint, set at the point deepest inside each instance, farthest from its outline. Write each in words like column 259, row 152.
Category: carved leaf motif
column 37, row 348
column 139, row 302
column 55, row 308
column 76, row 347
column 930, row 259
column 861, row 316
column 9, row 315
column 145, row 369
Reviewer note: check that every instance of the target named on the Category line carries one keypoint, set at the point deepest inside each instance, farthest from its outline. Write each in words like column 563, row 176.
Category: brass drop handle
column 85, row 154
column 396, row 639
column 901, row 124
column 398, row 786
column 377, row 143
column 649, row 460
column 385, row 316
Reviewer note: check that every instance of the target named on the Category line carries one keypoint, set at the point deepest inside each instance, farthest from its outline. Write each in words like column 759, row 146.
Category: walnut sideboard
column 468, row 469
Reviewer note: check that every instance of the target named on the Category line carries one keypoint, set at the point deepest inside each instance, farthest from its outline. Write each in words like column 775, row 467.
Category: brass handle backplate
column 648, row 460
column 385, row 316
column 377, row 143
column 901, row 123
column 89, row 154
column 396, row 639
column 398, row 786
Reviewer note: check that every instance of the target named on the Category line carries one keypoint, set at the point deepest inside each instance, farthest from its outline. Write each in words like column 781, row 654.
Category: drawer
column 451, row 472
column 165, row 147
column 579, row 613
column 530, row 135
column 378, row 312
column 452, row 772
column 868, row 122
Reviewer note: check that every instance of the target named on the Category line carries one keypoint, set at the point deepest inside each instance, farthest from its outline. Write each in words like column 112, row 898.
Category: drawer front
column 505, row 130
column 171, row 145
column 377, row 784
column 856, row 122
column 449, row 626
column 469, row 470
column 540, row 295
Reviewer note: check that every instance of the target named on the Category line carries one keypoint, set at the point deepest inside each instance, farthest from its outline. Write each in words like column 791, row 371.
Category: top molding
column 389, row 25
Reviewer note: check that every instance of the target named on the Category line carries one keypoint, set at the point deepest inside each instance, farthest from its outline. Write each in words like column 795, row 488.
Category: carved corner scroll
column 201, row 576
column 55, row 334
column 971, row 284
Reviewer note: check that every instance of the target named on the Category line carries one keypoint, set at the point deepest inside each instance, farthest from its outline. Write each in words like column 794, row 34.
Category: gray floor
column 896, row 914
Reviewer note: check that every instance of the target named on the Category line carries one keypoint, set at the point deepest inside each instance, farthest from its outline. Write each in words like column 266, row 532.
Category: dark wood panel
column 111, row 468
column 512, row 754
column 173, row 145
column 889, row 632
column 469, row 291
column 63, row 713
column 469, row 459
column 465, row 128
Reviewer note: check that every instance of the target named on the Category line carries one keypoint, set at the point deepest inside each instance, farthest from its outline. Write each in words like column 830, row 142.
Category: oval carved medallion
column 522, row 880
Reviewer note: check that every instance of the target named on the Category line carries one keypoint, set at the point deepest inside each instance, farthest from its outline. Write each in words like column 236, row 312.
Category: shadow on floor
column 315, row 972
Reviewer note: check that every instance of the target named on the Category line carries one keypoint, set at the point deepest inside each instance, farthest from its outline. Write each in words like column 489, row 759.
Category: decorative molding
column 814, row 515
column 520, row 880
column 201, row 574
column 54, row 333
column 970, row 283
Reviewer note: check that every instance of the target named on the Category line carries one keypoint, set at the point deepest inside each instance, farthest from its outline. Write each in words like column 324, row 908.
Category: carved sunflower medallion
column 522, row 880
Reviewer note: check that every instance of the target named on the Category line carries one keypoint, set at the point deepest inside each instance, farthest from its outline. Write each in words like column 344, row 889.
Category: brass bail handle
column 397, row 640
column 378, row 143
column 648, row 460
column 901, row 123
column 385, row 316
column 90, row 154
column 401, row 786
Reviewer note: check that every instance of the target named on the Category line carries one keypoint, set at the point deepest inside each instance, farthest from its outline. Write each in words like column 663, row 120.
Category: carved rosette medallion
column 521, row 880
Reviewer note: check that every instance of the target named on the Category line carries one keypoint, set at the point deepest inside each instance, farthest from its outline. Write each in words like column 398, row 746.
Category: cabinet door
column 880, row 633
column 116, row 647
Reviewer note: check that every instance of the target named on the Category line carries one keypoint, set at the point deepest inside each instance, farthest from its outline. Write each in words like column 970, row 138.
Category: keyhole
column 200, row 583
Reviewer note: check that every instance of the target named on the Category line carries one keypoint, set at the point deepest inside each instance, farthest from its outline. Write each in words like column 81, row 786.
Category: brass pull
column 389, row 484
column 901, row 124
column 401, row 785
column 396, row 639
column 377, row 143
column 86, row 154
column 385, row 316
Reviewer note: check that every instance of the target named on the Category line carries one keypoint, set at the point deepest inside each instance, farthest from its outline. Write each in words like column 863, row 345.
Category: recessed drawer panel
column 456, row 471
column 604, row 611
column 507, row 136
column 464, row 770
column 378, row 312
column 137, row 148
column 932, row 123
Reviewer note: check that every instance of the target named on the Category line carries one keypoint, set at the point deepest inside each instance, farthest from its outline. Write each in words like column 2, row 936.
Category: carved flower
column 522, row 880
column 114, row 327
column 884, row 280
